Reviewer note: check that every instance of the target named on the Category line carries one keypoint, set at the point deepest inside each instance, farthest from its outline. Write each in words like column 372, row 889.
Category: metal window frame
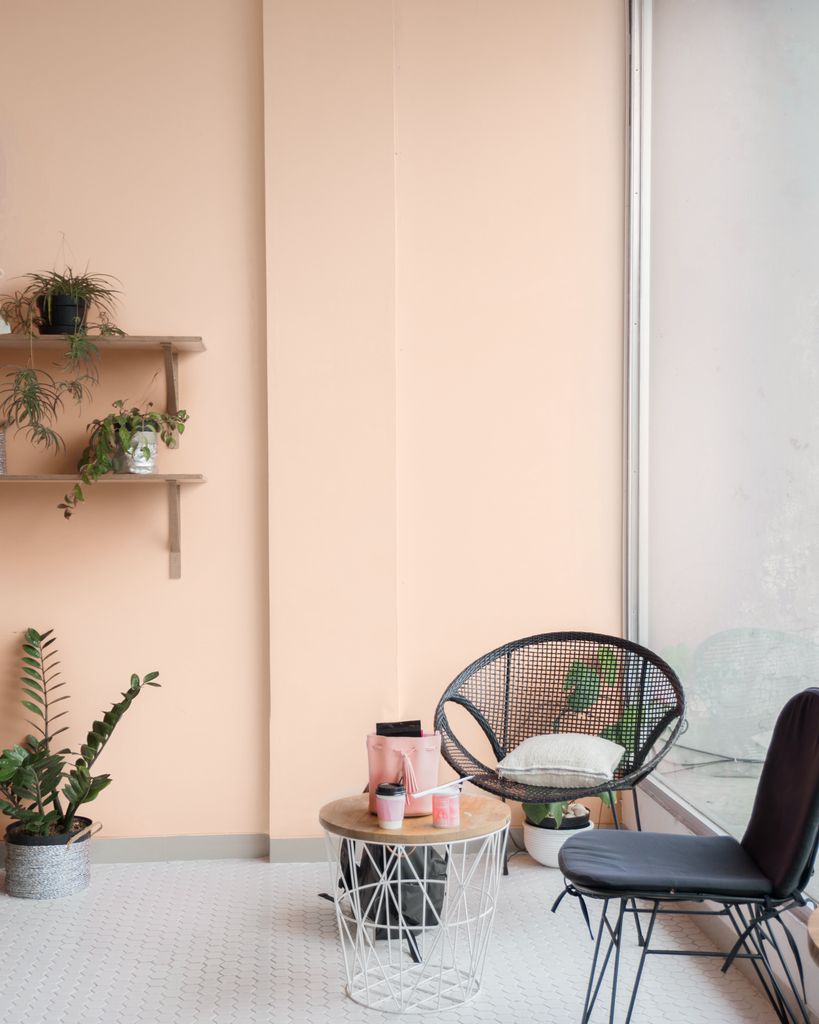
column 637, row 313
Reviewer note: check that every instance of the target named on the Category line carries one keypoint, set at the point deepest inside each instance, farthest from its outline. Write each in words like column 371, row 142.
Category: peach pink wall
column 445, row 280
column 429, row 419
column 136, row 131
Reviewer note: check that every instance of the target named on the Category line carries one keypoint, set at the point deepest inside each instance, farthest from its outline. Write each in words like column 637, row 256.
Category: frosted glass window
column 733, row 470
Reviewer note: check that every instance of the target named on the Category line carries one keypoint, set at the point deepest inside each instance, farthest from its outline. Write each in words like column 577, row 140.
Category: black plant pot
column 63, row 315
column 575, row 821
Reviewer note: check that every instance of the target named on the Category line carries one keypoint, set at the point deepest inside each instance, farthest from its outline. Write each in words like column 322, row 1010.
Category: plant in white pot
column 548, row 826
column 47, row 849
column 125, row 442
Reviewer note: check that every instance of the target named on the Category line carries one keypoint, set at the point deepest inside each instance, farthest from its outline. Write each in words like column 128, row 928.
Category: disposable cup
column 390, row 800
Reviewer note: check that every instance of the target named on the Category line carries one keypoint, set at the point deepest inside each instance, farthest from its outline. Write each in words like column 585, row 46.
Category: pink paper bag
column 411, row 759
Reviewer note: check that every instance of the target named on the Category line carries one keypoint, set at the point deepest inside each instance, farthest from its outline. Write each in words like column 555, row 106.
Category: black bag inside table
column 416, row 903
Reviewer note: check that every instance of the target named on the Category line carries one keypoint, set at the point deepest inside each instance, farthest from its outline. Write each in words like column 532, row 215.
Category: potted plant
column 59, row 303
column 548, row 826
column 125, row 442
column 31, row 398
column 47, row 850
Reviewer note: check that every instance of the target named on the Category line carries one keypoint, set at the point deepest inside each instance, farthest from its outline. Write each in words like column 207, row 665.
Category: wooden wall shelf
column 173, row 481
column 54, row 342
column 171, row 346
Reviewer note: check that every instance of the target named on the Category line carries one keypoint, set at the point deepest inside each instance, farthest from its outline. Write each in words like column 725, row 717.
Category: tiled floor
column 246, row 942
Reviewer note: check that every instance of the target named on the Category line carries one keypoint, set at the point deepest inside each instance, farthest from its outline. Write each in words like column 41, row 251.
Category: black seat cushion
column 656, row 863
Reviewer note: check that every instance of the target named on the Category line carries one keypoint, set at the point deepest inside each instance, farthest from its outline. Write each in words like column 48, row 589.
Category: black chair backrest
column 567, row 682
column 784, row 827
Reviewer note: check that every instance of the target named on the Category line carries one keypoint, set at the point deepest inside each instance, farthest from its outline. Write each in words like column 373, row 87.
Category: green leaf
column 87, row 752
column 30, row 682
column 101, row 729
column 34, row 694
column 32, row 707
column 97, row 786
column 608, row 663
column 149, row 677
column 154, row 684
column 584, row 683
column 135, row 683
column 613, row 733
column 537, row 812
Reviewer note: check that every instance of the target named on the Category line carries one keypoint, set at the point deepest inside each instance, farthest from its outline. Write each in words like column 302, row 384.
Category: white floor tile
column 245, row 942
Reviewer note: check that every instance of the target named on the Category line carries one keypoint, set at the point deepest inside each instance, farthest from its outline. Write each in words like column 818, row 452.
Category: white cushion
column 567, row 760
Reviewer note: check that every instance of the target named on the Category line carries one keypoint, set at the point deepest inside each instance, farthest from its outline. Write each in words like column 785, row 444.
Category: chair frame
column 766, row 872
column 752, row 933
column 644, row 669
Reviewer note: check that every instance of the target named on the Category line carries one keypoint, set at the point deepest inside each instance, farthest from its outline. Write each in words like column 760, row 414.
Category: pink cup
column 446, row 809
column 390, row 800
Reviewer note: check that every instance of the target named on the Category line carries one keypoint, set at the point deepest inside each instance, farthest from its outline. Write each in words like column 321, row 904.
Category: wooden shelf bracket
column 175, row 529
column 171, row 376
column 173, row 482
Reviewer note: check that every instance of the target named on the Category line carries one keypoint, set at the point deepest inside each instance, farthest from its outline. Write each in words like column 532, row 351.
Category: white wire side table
column 414, row 905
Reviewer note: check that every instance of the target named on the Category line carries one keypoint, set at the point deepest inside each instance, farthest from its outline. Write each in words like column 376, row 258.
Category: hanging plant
column 112, row 436
column 31, row 398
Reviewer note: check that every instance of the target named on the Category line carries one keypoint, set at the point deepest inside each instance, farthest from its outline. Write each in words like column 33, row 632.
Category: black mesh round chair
column 564, row 682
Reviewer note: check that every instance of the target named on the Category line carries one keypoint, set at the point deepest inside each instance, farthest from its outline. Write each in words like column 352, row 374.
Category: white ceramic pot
column 544, row 843
column 141, row 455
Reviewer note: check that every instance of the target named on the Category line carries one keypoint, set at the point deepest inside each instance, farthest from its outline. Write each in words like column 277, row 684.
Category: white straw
column 446, row 785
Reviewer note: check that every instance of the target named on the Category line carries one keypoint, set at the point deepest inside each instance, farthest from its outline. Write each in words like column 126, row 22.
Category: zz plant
column 41, row 787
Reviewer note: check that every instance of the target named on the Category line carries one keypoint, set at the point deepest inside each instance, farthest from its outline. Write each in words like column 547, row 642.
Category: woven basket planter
column 544, row 843
column 48, row 867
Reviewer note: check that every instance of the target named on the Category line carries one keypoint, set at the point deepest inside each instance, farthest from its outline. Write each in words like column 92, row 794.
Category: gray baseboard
column 250, row 846
column 297, row 851
column 167, row 848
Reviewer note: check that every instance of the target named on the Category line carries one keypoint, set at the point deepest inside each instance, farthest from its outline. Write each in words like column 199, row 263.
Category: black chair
column 753, row 881
column 565, row 682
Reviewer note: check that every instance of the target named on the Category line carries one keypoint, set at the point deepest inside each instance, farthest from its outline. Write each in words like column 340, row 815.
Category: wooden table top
column 351, row 818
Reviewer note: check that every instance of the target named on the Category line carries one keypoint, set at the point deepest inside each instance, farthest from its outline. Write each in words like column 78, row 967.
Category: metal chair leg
column 636, row 809
column 612, row 799
column 642, row 959
column 588, row 1004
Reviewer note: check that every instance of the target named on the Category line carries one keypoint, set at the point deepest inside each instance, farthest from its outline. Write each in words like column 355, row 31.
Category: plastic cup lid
column 390, row 789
